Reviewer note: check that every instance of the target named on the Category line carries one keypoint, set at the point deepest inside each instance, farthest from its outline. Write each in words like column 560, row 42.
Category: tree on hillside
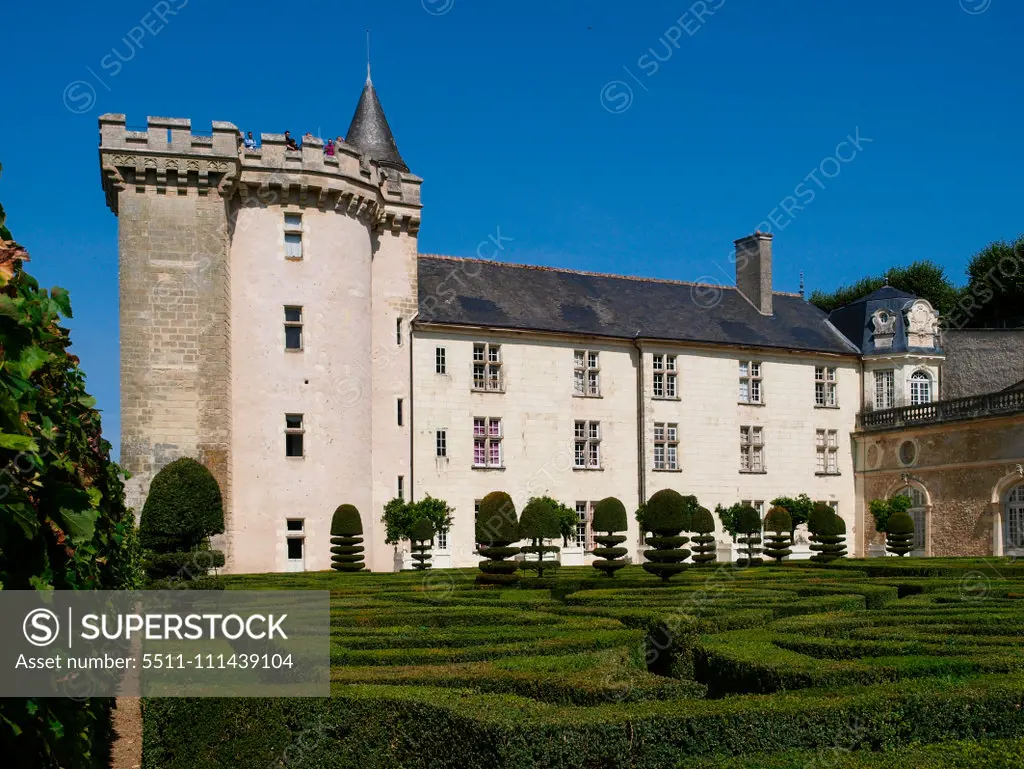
column 923, row 278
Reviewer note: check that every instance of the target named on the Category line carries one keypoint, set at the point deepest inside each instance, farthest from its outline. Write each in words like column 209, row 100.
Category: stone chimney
column 754, row 270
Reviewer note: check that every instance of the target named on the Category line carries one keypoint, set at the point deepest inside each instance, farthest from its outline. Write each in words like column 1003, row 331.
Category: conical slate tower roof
column 370, row 133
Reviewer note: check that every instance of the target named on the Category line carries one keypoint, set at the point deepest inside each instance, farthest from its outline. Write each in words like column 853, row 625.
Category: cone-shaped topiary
column 421, row 537
column 899, row 534
column 828, row 534
column 538, row 523
column 703, row 524
column 748, row 526
column 609, row 517
column 496, row 529
column 346, row 539
column 665, row 516
column 780, row 525
column 183, row 509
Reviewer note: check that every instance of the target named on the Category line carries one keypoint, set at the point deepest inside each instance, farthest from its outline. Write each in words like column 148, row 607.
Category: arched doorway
column 919, row 513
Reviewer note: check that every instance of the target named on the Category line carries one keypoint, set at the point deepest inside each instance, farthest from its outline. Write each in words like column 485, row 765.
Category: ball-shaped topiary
column 703, row 524
column 183, row 509
column 497, row 527
column 421, row 537
column 899, row 534
column 538, row 523
column 665, row 516
column 778, row 525
column 609, row 517
column 828, row 534
column 346, row 539
column 748, row 525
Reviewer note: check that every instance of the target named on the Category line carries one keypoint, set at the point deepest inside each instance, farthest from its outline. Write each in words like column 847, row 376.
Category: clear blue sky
column 506, row 111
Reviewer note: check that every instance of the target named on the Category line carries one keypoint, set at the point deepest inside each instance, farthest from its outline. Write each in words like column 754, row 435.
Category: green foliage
column 422, row 538
column 778, row 524
column 778, row 519
column 183, row 509
column 538, row 523
column 883, row 509
column 63, row 521
column 567, row 518
column 609, row 515
column 666, row 515
column 923, row 278
column 727, row 515
column 704, row 548
column 799, row 509
column 641, row 517
column 994, row 296
column 400, row 517
column 827, row 534
column 346, row 539
column 899, row 534
column 497, row 528
column 748, row 524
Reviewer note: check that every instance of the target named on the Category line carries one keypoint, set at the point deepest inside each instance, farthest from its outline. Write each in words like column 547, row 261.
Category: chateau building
column 279, row 323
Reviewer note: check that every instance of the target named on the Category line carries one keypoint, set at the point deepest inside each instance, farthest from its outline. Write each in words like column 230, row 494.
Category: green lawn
column 911, row 663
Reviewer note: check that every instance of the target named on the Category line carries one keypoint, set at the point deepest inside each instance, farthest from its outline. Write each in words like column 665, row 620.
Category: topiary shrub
column 609, row 517
column 899, row 534
column 496, row 529
column 780, row 525
column 539, row 522
column 421, row 536
column 346, row 539
column 828, row 534
column 665, row 516
column 703, row 525
column 748, row 525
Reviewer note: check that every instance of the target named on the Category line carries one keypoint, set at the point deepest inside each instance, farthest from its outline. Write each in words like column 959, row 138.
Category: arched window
column 920, row 388
column 917, row 511
column 1013, row 521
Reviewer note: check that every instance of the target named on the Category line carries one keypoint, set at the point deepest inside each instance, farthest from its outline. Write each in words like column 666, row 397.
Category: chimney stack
column 754, row 270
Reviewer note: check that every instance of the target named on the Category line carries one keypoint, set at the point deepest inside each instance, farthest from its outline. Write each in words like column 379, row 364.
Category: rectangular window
column 584, row 532
column 751, row 449
column 487, row 367
column 398, row 331
column 295, row 548
column 293, row 236
column 293, row 435
column 587, row 437
column 293, row 328
column 586, row 373
column 295, row 541
column 441, row 442
column 399, row 412
column 666, row 443
column 664, row 381
column 885, row 389
column 750, row 382
column 487, row 437
column 826, row 444
column 441, row 540
column 825, row 386
column 400, row 490
column 440, row 360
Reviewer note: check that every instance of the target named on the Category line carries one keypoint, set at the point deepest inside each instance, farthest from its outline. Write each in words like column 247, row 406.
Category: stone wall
column 981, row 360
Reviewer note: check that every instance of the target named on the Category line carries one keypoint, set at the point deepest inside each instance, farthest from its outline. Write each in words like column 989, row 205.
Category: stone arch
column 924, row 510
column 997, row 506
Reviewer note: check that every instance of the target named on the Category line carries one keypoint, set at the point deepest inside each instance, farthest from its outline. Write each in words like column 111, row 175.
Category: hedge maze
column 881, row 663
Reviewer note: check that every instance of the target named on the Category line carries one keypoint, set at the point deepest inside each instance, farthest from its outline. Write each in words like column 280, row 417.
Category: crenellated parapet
column 169, row 159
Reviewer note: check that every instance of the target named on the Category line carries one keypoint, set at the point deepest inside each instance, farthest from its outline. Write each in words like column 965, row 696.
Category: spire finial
column 801, row 283
column 368, row 55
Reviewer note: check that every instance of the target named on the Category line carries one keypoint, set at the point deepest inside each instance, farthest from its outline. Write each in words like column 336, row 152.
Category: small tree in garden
column 728, row 515
column 882, row 510
column 422, row 538
column 496, row 529
column 346, row 539
column 609, row 517
column 401, row 516
column 899, row 533
column 799, row 509
column 538, row 523
column 566, row 516
column 748, row 524
column 665, row 517
column 778, row 526
column 703, row 524
column 828, row 534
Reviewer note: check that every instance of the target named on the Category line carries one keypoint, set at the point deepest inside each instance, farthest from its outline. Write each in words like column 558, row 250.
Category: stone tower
column 224, row 253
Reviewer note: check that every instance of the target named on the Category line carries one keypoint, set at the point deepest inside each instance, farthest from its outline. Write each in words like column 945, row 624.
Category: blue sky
column 621, row 137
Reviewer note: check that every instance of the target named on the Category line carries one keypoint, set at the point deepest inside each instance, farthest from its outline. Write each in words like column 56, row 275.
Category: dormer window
column 922, row 324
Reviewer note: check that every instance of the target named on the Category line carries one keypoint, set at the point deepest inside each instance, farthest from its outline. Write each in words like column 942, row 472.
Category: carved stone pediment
column 922, row 324
column 884, row 322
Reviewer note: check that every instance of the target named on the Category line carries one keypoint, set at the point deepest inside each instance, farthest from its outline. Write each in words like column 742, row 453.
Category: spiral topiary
column 538, row 523
column 665, row 516
column 780, row 523
column 703, row 524
column 828, row 534
column 346, row 539
column 496, row 529
column 609, row 517
column 748, row 525
column 899, row 534
column 421, row 538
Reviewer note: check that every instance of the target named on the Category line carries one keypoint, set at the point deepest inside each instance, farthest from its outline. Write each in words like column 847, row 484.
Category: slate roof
column 475, row 292
column 854, row 319
column 370, row 133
